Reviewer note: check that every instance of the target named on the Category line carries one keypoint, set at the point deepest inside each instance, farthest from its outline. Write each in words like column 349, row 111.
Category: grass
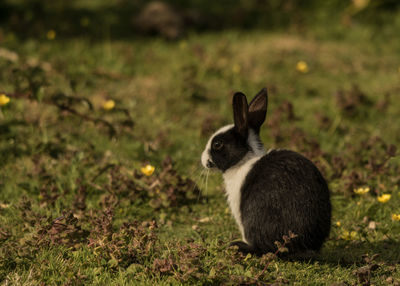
column 75, row 208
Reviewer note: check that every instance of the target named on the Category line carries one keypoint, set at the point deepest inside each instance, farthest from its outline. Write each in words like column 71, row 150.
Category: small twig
column 112, row 131
column 102, row 171
column 154, row 184
column 61, row 96
column 266, row 265
column 58, row 223
column 95, row 186
column 286, row 240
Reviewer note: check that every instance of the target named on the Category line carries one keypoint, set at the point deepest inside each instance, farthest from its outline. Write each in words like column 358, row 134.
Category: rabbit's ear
column 258, row 109
column 240, row 113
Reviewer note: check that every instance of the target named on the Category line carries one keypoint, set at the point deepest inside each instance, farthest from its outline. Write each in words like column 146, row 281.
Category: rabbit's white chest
column 234, row 179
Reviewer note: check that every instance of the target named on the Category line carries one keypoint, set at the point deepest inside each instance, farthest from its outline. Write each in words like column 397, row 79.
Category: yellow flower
column 396, row 217
column 147, row 170
column 51, row 34
column 349, row 235
column 302, row 67
column 361, row 191
column 338, row 223
column 4, row 99
column 109, row 104
column 384, row 198
column 236, row 68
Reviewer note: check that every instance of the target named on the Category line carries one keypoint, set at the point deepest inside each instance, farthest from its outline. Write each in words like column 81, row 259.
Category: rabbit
column 270, row 194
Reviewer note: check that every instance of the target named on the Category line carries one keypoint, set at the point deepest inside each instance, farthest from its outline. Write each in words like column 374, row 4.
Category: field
column 76, row 207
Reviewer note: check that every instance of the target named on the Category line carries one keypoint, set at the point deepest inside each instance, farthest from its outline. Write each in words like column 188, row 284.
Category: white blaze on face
column 205, row 156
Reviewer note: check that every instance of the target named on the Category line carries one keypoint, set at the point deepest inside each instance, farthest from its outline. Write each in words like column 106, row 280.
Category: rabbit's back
column 285, row 192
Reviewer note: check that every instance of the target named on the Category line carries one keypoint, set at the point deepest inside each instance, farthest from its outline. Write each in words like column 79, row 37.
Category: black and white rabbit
column 269, row 193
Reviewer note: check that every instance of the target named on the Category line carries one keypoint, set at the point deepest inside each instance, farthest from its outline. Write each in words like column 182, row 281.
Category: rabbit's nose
column 210, row 164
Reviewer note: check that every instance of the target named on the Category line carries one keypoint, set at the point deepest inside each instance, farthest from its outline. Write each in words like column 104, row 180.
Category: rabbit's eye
column 217, row 145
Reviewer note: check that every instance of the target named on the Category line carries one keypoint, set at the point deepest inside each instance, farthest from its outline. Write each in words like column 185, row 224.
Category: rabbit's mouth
column 206, row 161
column 210, row 164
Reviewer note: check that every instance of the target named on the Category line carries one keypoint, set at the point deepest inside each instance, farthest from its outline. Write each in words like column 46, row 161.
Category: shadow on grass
column 348, row 254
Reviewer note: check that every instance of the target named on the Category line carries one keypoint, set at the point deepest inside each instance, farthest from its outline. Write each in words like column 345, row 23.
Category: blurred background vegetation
column 175, row 18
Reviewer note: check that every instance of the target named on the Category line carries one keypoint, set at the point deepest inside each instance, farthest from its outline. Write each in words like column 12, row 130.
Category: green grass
column 75, row 208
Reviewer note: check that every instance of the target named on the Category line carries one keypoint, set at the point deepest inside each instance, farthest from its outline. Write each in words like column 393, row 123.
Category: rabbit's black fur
column 270, row 193
column 285, row 192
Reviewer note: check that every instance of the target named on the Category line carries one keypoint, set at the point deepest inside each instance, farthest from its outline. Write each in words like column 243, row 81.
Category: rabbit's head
column 236, row 143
